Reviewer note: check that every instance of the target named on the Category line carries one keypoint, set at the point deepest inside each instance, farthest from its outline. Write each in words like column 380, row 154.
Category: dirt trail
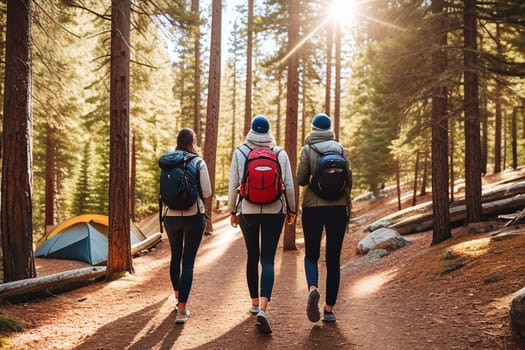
column 377, row 307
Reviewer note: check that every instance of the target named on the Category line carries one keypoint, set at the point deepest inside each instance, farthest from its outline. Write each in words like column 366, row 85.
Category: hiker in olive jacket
column 319, row 213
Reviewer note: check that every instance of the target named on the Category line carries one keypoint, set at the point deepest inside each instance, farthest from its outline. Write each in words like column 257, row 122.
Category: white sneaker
column 182, row 316
column 255, row 309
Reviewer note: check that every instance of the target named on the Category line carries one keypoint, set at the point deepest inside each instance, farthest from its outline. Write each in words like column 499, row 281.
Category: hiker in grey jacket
column 319, row 213
column 185, row 229
column 260, row 222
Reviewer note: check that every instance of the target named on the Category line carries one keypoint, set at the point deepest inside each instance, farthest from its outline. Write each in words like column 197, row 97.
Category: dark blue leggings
column 185, row 235
column 266, row 229
column 334, row 219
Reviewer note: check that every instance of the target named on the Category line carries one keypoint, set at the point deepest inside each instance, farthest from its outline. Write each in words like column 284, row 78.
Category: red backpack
column 262, row 181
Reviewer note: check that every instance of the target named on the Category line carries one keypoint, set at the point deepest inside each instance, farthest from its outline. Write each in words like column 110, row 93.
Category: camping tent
column 83, row 238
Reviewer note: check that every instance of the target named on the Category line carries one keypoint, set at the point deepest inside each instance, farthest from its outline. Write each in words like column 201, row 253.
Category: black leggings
column 185, row 235
column 265, row 228
column 334, row 219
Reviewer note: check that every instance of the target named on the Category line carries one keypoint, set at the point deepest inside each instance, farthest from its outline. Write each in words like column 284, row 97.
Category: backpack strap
column 278, row 150
column 316, row 150
column 244, row 154
column 239, row 197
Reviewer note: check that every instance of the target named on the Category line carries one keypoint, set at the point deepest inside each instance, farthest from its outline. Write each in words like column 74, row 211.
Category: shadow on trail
column 285, row 335
column 144, row 329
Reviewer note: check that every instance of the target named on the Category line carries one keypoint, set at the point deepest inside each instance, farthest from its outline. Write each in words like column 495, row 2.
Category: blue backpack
column 331, row 176
column 179, row 179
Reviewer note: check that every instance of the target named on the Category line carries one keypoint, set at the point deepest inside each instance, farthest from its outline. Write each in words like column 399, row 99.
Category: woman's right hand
column 234, row 220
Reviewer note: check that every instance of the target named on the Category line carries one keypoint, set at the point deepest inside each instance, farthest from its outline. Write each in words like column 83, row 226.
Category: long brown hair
column 186, row 140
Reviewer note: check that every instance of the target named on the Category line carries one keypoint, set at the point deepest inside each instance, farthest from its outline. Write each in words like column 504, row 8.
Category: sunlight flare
column 343, row 9
column 475, row 247
column 372, row 284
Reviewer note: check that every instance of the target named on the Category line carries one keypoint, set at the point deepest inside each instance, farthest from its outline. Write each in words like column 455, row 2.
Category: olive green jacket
column 324, row 141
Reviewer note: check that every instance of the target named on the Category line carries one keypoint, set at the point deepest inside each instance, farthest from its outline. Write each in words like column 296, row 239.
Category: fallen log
column 149, row 242
column 424, row 221
column 411, row 213
column 517, row 219
column 57, row 281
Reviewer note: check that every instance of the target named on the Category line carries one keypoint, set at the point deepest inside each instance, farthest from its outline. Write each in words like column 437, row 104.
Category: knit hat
column 260, row 124
column 321, row 122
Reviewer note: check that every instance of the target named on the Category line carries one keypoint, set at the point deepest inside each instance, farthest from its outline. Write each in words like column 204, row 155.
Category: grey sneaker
column 328, row 316
column 312, row 307
column 182, row 316
column 264, row 324
column 255, row 309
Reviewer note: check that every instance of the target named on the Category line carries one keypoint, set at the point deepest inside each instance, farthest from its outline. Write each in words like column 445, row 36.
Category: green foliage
column 386, row 106
column 8, row 325
column 70, row 109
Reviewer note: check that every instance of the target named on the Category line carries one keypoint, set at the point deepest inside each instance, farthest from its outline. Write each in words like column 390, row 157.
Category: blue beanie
column 321, row 122
column 260, row 124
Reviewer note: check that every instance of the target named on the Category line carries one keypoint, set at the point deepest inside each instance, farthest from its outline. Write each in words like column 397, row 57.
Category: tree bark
column 337, row 93
column 133, row 179
column 17, row 210
column 212, row 113
column 416, row 170
column 50, row 186
column 292, row 107
column 441, row 230
column 514, row 142
column 197, row 72
column 472, row 125
column 249, row 64
column 280, row 93
column 119, row 243
column 329, row 48
column 497, row 94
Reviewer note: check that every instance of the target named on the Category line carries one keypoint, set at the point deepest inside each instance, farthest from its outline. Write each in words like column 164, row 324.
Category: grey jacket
column 239, row 206
column 324, row 141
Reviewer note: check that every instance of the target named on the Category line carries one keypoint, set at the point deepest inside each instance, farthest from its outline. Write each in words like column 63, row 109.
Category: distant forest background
column 371, row 67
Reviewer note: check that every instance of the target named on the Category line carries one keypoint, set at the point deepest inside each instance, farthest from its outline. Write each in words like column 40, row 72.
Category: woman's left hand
column 290, row 218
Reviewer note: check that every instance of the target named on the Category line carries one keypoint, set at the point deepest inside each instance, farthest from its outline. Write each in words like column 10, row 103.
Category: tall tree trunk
column 17, row 210
column 504, row 140
column 133, row 179
column 329, row 48
column 514, row 141
column 424, row 177
column 119, row 245
column 234, row 106
column 497, row 96
column 292, row 106
column 249, row 64
column 337, row 97
column 197, row 71
column 472, row 125
column 304, row 102
column 398, row 185
column 50, row 179
column 440, row 205
column 416, row 170
column 280, row 93
column 452, row 175
column 212, row 112
column 484, row 132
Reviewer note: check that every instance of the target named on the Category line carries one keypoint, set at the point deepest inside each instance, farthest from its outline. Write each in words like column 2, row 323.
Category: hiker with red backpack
column 325, row 171
column 184, row 183
column 261, row 196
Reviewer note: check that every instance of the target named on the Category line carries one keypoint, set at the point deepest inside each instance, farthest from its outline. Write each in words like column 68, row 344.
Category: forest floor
column 410, row 299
